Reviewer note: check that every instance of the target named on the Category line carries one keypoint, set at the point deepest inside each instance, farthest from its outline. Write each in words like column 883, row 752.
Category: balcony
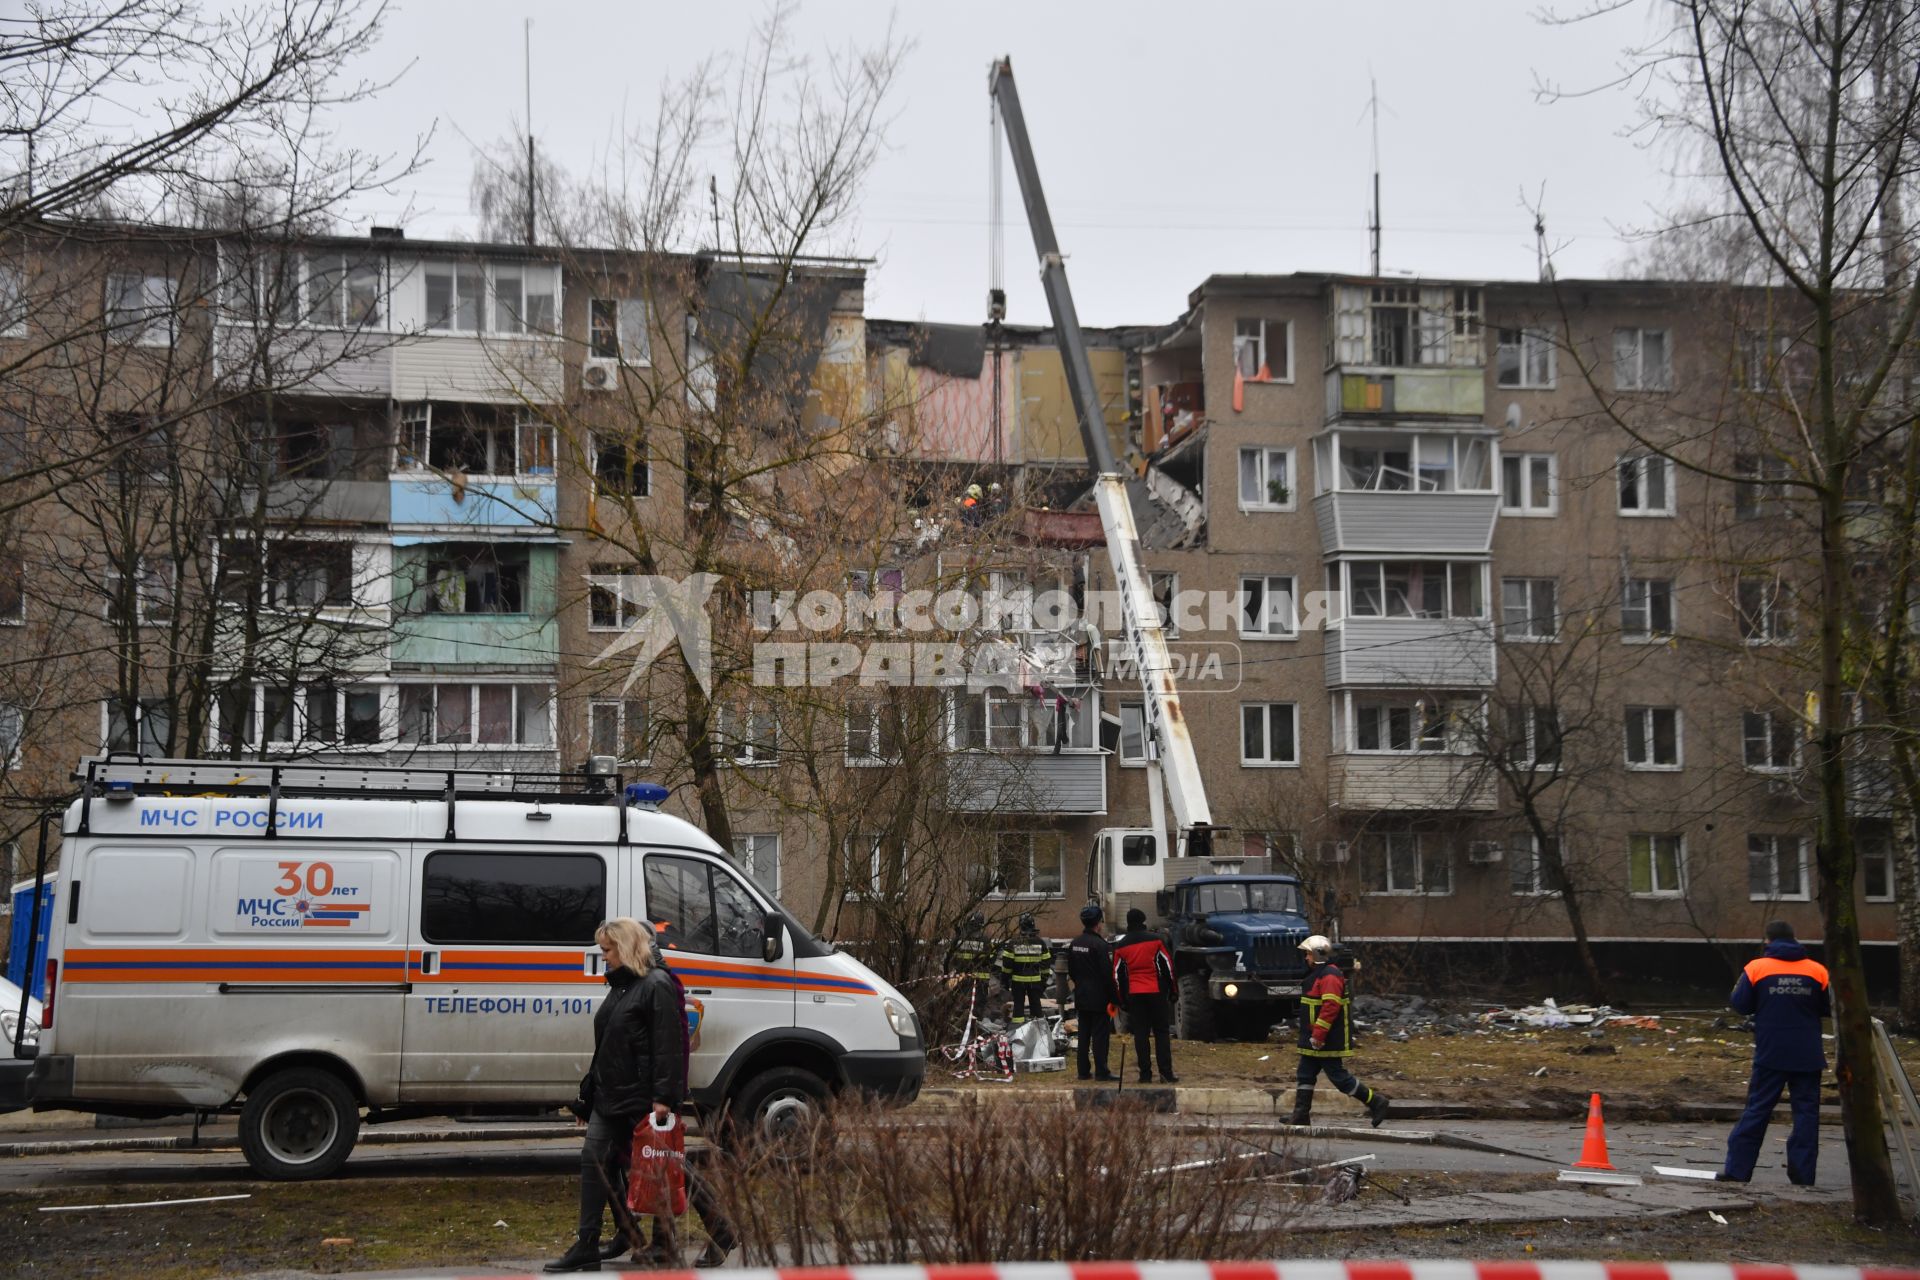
column 1353, row 520
column 1410, row 653
column 498, row 641
column 1020, row 782
column 451, row 504
column 1387, row 394
column 1427, row 781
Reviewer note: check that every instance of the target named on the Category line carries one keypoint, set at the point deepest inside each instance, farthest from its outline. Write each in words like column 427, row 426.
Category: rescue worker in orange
column 1326, row 1036
column 1786, row 995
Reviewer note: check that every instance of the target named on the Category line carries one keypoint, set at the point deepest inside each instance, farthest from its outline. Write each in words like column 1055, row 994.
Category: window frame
column 142, row 711
column 1525, row 508
column 995, row 887
column 1527, row 341
column 1266, row 581
column 1877, row 848
column 13, row 579
column 596, row 591
column 1449, row 611
column 1774, row 724
column 1649, row 634
column 473, row 721
column 1423, row 859
column 1267, row 760
column 488, row 325
column 1264, row 346
column 542, row 858
column 1650, row 737
column 1263, row 455
column 1770, row 621
column 1522, row 843
column 1640, row 461
column 1138, row 708
column 13, row 736
column 1532, row 586
column 152, row 324
column 877, row 722
column 153, row 595
column 641, row 471
column 748, row 861
column 1772, row 853
column 1679, row 851
column 1642, row 377
column 13, row 302
column 757, row 754
column 624, row 712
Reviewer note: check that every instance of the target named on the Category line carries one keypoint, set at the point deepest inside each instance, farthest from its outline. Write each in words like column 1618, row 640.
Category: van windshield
column 1252, row 895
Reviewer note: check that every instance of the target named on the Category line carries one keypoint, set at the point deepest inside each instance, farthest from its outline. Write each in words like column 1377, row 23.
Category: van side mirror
column 772, row 938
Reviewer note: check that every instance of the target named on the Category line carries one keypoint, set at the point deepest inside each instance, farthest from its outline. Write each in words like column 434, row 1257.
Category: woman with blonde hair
column 639, row 1069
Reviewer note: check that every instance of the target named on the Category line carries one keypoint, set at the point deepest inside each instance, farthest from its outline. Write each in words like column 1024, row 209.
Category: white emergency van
column 301, row 943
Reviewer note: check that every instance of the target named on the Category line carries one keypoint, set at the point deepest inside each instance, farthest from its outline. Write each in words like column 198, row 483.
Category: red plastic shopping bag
column 657, row 1177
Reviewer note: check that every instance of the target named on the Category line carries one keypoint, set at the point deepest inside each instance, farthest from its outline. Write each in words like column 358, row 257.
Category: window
column 1263, row 350
column 1415, row 726
column 472, row 577
column 1267, row 734
column 1266, row 479
column 309, row 575
column 621, row 468
column 872, row 868
column 150, row 594
column 13, row 727
column 314, row 450
column 873, row 595
column 1876, row 866
column 1776, row 868
column 1646, row 609
column 1761, row 490
column 140, row 309
column 618, row 727
column 1656, row 865
column 343, row 291
column 1028, row 864
column 1415, row 589
column 314, row 713
column 524, row 297
column 489, row 715
column 620, row 329
column 1534, row 736
column 1164, row 586
column 13, row 303
column 1641, row 360
column 1653, row 737
column 1529, row 871
column 873, row 733
column 1769, row 741
column 746, row 737
column 149, row 733
column 1760, row 359
column 698, row 907
column 1646, row 485
column 1529, row 609
column 1524, row 358
column 1406, row 862
column 759, row 856
column 1066, row 720
column 608, row 608
column 13, row 595
column 1529, row 484
column 512, row 899
column 1266, row 608
column 1764, row 610
column 1133, row 733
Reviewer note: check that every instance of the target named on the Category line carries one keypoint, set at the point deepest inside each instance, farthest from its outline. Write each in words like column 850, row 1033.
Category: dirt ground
column 1685, row 1059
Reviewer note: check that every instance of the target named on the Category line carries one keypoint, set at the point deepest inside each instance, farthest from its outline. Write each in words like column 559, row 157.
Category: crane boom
column 1166, row 724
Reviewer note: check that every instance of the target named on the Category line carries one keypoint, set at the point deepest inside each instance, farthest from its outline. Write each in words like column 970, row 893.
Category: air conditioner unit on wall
column 1482, row 852
column 1333, row 851
column 600, row 375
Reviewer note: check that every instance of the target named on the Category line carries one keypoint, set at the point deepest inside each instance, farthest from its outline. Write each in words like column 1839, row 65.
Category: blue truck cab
column 1236, row 945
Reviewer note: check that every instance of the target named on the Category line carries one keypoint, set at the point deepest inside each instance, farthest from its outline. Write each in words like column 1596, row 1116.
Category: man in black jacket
column 1090, row 970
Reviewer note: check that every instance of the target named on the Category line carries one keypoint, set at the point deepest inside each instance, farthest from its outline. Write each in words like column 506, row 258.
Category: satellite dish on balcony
column 1513, row 415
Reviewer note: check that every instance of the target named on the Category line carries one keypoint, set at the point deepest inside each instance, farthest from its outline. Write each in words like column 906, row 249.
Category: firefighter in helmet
column 1326, row 1036
column 1026, row 962
column 972, row 959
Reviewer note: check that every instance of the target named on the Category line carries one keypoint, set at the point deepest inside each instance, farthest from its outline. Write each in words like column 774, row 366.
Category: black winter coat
column 1090, row 968
column 639, row 1054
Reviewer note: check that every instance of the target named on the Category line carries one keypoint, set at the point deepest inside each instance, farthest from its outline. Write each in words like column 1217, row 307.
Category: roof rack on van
column 120, row 773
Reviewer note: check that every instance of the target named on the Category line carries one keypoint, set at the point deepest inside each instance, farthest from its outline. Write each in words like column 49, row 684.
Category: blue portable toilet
column 22, row 903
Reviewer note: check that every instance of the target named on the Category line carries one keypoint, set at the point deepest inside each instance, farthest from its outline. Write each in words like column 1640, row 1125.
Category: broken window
column 1415, row 589
column 1263, row 350
column 309, row 575
column 608, row 608
column 620, row 329
column 464, row 577
column 620, row 468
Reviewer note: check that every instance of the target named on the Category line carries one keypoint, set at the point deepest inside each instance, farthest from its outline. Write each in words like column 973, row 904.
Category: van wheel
column 1196, row 1008
column 298, row 1125
column 777, row 1106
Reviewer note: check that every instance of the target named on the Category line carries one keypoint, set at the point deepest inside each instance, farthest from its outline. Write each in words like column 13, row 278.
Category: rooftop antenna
column 527, row 40
column 1373, row 223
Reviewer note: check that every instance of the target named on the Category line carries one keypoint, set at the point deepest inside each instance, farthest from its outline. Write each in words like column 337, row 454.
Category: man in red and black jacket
column 1786, row 995
column 1143, row 976
column 1326, row 1036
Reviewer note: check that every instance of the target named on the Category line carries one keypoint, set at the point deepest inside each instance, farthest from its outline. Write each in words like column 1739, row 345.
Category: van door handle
column 429, row 963
column 700, row 991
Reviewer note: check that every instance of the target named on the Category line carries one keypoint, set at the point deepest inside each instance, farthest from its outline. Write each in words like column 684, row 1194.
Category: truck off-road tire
column 1196, row 1008
column 781, row 1105
column 298, row 1125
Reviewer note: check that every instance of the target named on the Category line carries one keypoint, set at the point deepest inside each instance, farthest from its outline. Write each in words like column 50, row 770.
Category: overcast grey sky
column 1176, row 140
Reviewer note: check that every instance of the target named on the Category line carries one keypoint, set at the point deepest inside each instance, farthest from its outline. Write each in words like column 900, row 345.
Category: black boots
column 583, row 1256
column 1377, row 1107
column 1302, row 1107
column 615, row 1247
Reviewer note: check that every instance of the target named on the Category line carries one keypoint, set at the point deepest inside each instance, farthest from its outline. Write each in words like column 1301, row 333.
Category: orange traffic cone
column 1593, row 1152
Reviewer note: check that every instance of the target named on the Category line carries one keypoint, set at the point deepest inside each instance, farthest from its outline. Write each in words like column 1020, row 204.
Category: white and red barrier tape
column 1306, row 1271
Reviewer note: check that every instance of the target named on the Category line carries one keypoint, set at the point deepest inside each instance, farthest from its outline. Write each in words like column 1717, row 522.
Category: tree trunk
column 1597, row 988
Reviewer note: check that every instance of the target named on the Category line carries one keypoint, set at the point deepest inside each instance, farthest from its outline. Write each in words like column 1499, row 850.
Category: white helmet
column 1317, row 944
